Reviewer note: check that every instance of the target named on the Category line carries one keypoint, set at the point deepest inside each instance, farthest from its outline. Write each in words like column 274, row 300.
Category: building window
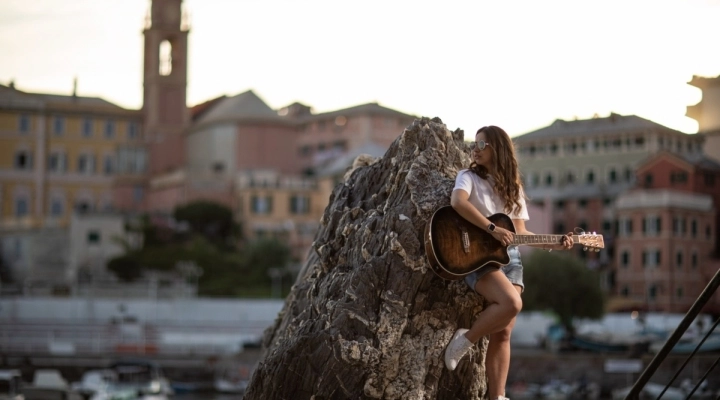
column 590, row 178
column 607, row 225
column 58, row 125
column 86, row 164
column 612, row 176
column 109, row 129
column 629, row 174
column 694, row 260
column 22, row 207
column 299, row 204
column 583, row 225
column 56, row 207
column 57, row 162
column 679, row 293
column 108, row 165
column 652, row 226
column 87, row 127
column 709, row 179
column 138, row 194
column 582, row 203
column 93, row 237
column 625, row 259
column 651, row 258
column 652, row 292
column 261, row 204
column 625, row 292
column 166, row 63
column 679, row 260
column 648, row 180
column 708, row 232
column 625, row 227
column 83, row 206
column 24, row 123
column 132, row 130
column 678, row 177
column 559, row 227
column 693, row 228
column 570, row 177
column 548, row 179
column 23, row 160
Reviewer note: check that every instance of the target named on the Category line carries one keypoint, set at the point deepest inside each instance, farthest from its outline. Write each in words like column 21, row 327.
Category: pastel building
column 667, row 242
column 67, row 154
column 577, row 171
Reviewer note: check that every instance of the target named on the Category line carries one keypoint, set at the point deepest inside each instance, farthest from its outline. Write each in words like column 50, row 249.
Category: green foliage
column 562, row 284
column 210, row 244
column 212, row 220
column 126, row 267
column 262, row 255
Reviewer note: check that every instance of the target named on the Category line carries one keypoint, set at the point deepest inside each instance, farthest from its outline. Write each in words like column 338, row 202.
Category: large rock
column 367, row 317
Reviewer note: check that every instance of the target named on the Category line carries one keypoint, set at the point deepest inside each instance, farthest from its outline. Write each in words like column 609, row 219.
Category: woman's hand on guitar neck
column 503, row 236
column 566, row 243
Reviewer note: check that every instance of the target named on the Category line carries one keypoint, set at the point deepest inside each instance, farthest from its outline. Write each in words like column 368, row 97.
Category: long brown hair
column 506, row 172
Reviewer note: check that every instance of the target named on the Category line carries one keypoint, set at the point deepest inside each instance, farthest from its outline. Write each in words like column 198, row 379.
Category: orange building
column 667, row 246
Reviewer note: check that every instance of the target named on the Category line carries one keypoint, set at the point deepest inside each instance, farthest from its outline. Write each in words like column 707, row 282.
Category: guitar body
column 456, row 247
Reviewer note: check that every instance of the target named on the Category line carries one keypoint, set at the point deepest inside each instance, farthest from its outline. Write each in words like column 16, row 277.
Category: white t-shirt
column 483, row 196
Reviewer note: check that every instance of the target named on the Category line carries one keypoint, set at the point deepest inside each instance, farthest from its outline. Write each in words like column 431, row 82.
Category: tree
column 564, row 285
column 212, row 220
column 367, row 318
column 262, row 255
column 126, row 267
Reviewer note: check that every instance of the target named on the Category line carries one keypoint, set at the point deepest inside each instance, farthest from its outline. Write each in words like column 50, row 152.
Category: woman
column 492, row 185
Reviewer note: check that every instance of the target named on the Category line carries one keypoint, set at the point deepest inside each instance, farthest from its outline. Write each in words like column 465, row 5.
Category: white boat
column 49, row 384
column 11, row 385
column 232, row 378
column 93, row 381
column 143, row 377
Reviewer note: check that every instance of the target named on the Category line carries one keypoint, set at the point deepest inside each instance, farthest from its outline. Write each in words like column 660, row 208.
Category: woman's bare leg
column 497, row 361
column 504, row 303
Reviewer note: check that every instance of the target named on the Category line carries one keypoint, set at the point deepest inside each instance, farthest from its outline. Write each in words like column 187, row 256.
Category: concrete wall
column 177, row 311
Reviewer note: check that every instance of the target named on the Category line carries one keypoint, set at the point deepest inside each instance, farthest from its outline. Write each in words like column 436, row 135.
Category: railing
column 704, row 297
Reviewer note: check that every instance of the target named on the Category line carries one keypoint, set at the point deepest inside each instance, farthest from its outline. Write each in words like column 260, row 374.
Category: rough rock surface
column 367, row 317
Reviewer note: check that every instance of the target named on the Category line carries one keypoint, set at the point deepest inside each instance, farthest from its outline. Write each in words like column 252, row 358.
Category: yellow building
column 60, row 153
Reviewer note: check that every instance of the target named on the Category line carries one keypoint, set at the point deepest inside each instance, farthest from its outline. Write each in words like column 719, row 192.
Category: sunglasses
column 481, row 145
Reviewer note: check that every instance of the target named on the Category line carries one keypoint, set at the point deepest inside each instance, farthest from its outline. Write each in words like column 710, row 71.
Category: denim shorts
column 513, row 271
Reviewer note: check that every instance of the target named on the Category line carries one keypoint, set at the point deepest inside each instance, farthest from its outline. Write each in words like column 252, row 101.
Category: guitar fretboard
column 537, row 239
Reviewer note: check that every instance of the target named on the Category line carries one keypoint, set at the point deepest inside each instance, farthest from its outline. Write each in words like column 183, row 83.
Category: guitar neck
column 537, row 239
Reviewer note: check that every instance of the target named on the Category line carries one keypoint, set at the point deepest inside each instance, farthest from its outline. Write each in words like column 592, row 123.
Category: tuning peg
column 597, row 250
column 585, row 248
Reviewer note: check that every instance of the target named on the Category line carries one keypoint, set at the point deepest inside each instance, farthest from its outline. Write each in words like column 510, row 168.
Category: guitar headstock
column 590, row 241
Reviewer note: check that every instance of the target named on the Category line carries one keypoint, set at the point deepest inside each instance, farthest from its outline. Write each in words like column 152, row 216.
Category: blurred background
column 164, row 165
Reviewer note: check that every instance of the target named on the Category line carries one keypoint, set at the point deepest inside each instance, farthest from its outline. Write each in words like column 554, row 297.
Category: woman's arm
column 459, row 201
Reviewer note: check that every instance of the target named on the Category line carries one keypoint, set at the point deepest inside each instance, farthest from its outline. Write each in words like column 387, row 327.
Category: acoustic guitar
column 455, row 247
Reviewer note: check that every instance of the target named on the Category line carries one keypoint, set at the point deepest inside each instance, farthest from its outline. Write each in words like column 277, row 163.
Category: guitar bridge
column 465, row 240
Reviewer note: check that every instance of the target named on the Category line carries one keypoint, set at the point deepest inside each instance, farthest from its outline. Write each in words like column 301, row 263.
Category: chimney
column 74, row 92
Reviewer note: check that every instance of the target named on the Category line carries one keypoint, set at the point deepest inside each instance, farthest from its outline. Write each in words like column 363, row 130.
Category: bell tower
column 165, row 85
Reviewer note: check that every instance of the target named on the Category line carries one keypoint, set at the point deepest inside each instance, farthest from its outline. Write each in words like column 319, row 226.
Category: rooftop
column 614, row 123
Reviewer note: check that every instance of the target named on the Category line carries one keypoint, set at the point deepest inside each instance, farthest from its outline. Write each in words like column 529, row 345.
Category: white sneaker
column 456, row 349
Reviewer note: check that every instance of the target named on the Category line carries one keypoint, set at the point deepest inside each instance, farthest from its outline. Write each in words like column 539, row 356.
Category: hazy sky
column 516, row 64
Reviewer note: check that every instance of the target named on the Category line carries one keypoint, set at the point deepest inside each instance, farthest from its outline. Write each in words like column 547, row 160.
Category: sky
column 516, row 64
